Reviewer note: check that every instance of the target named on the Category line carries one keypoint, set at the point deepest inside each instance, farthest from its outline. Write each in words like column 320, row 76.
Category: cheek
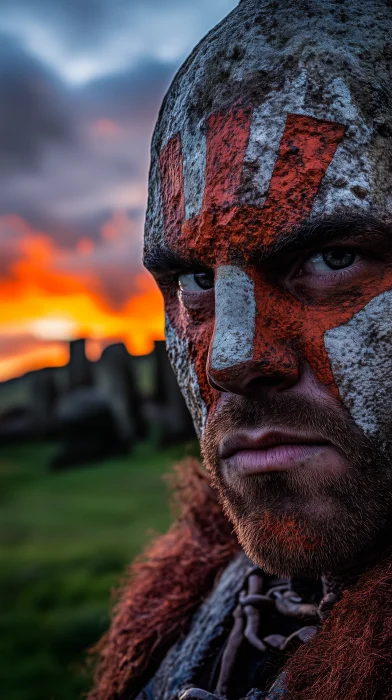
column 180, row 356
column 360, row 356
column 312, row 349
column 188, row 344
column 200, row 344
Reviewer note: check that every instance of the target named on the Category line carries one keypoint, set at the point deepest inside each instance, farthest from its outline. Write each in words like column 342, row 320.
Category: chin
column 300, row 536
column 309, row 521
column 289, row 546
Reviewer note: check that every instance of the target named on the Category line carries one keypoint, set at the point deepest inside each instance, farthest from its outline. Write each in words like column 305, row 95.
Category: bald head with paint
column 269, row 232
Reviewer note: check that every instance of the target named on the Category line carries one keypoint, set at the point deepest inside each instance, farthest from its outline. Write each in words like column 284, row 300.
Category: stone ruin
column 97, row 410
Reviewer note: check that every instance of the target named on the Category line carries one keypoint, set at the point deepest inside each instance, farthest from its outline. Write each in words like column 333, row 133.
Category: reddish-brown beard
column 272, row 513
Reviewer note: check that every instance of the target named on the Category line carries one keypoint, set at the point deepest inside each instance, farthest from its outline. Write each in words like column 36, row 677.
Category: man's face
column 279, row 322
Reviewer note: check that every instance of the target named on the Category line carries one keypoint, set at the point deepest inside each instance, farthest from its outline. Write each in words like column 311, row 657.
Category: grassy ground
column 64, row 540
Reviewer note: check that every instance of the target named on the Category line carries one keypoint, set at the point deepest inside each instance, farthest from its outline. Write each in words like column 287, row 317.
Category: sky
column 81, row 82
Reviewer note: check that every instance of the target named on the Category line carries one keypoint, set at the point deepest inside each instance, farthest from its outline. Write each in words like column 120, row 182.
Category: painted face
column 231, row 319
column 277, row 284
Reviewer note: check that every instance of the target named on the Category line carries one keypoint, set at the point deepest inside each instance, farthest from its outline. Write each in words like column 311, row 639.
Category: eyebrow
column 164, row 258
column 327, row 230
column 308, row 235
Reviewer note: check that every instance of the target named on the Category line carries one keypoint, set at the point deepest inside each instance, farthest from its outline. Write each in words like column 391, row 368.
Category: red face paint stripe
column 305, row 152
column 227, row 140
column 172, row 186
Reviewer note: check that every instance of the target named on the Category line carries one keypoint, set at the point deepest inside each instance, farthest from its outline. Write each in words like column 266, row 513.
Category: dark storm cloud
column 82, row 22
column 32, row 107
column 37, row 109
column 83, row 39
column 59, row 168
column 132, row 93
column 86, row 23
column 81, row 82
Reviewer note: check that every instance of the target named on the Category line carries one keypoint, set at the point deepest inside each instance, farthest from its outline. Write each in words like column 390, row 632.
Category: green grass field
column 65, row 539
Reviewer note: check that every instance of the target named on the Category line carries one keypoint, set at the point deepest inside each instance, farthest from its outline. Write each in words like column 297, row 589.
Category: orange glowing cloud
column 97, row 290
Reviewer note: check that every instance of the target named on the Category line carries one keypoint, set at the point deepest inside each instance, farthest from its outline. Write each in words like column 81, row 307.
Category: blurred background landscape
column 90, row 414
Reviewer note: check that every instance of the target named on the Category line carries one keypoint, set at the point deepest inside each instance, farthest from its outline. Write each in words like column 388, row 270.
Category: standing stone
column 115, row 376
column 88, row 429
column 42, row 401
column 79, row 367
column 174, row 420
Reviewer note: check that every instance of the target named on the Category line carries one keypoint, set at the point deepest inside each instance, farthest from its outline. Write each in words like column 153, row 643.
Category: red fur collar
column 350, row 659
column 165, row 587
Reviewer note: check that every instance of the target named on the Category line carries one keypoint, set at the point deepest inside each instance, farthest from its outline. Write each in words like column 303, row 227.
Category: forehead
column 228, row 218
column 242, row 176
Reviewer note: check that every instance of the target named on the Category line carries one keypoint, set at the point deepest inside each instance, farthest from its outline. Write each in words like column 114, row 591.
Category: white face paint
column 184, row 369
column 235, row 318
column 360, row 353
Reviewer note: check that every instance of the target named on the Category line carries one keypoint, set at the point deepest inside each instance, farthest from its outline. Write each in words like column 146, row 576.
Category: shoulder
column 207, row 632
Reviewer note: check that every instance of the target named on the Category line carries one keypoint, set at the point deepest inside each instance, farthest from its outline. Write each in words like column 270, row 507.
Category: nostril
column 258, row 383
column 214, row 384
column 276, row 382
column 252, row 378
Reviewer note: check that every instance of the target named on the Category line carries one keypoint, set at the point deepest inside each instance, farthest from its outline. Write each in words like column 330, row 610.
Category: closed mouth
column 266, row 439
column 271, row 450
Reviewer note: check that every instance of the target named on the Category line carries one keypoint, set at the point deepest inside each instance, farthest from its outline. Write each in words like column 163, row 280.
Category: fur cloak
column 349, row 659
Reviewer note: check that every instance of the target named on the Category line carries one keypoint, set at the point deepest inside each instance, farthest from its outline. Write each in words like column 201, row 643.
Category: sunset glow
column 77, row 115
column 50, row 295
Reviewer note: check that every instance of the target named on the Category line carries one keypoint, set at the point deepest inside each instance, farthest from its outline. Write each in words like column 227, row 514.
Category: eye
column 196, row 281
column 330, row 260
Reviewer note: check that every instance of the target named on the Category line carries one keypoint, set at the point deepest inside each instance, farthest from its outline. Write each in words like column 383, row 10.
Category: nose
column 250, row 351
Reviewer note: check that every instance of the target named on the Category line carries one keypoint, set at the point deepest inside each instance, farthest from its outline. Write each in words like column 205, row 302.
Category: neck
column 336, row 582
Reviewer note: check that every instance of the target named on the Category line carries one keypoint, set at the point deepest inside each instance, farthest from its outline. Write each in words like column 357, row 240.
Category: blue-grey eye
column 196, row 281
column 332, row 259
column 339, row 258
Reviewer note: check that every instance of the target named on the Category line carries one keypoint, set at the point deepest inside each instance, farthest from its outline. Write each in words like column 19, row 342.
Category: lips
column 269, row 450
column 262, row 440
